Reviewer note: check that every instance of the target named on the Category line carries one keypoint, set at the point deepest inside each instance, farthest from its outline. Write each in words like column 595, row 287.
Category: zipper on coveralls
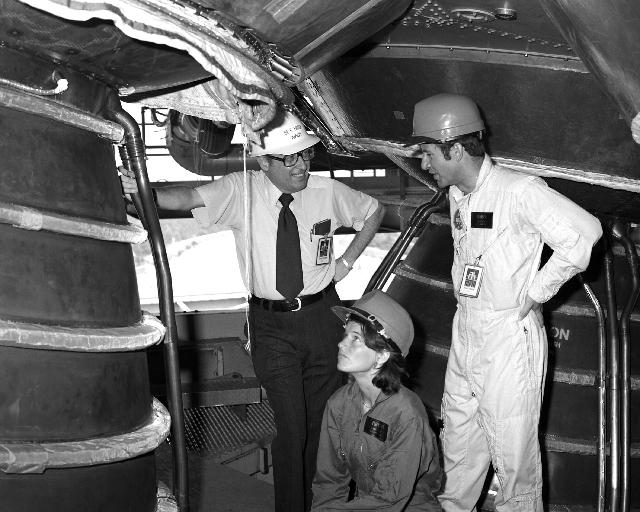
column 360, row 441
column 467, row 205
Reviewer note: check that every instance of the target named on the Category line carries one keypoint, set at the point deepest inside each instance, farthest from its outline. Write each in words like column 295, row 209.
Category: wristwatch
column 346, row 263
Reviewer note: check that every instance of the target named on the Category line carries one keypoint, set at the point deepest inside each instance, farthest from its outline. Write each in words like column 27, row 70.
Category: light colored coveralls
column 497, row 364
column 395, row 464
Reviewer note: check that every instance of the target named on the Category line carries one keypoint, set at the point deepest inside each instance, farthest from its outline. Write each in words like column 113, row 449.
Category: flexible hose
column 135, row 157
column 602, row 393
column 614, row 371
column 625, row 338
column 415, row 225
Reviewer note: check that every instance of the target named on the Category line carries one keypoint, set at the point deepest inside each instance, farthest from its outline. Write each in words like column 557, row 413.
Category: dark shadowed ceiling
column 556, row 80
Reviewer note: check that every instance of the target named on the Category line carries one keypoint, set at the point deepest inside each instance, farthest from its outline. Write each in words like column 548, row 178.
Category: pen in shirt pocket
column 322, row 228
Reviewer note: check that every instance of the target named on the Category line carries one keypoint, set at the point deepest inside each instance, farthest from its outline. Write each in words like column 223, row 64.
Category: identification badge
column 471, row 280
column 482, row 220
column 376, row 428
column 323, row 256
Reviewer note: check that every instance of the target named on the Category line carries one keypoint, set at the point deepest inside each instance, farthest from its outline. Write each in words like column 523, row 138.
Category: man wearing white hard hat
column 286, row 251
column 494, row 381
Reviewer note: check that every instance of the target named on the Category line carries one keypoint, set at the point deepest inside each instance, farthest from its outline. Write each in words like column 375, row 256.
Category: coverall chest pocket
column 373, row 452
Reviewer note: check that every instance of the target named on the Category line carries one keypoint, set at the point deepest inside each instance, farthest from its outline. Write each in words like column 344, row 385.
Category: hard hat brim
column 419, row 139
column 342, row 312
column 307, row 142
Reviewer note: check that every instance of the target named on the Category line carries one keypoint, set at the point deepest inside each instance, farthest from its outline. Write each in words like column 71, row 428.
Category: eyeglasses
column 291, row 160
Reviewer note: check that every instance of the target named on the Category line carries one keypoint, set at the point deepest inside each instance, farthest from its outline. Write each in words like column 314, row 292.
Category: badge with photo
column 471, row 281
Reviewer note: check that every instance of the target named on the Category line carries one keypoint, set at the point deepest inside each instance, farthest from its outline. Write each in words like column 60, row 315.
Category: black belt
column 290, row 305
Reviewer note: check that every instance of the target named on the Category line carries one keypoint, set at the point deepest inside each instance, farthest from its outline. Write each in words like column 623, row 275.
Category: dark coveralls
column 390, row 452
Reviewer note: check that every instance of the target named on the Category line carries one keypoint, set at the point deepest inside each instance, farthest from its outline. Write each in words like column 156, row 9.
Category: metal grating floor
column 218, row 430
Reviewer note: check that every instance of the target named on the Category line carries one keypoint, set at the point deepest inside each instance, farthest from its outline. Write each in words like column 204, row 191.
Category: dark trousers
column 294, row 357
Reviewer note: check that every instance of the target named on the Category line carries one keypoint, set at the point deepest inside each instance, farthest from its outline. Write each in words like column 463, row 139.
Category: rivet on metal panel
column 505, row 14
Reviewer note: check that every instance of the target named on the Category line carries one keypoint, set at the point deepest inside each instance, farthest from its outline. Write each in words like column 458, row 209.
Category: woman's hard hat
column 388, row 317
column 444, row 117
column 285, row 135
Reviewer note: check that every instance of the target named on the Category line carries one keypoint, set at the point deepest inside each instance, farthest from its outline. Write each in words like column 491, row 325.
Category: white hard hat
column 285, row 135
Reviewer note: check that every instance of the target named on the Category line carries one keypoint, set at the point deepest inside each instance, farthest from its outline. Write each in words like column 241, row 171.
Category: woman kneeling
column 375, row 431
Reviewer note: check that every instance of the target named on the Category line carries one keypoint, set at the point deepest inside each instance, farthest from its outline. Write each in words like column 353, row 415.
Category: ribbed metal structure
column 77, row 418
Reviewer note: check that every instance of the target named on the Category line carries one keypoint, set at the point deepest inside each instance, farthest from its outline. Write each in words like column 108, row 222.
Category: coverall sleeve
column 395, row 474
column 567, row 229
column 331, row 481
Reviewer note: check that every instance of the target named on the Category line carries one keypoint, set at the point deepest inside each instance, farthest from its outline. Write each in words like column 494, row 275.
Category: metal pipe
column 619, row 232
column 416, row 223
column 137, row 202
column 58, row 111
column 614, row 392
column 136, row 159
column 279, row 68
column 602, row 393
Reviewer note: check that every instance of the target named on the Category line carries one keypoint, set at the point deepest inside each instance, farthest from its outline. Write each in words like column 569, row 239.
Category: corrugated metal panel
column 217, row 430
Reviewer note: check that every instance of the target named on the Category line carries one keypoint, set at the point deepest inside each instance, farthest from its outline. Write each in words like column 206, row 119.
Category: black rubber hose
column 137, row 203
column 625, row 337
column 614, row 371
column 415, row 225
column 136, row 159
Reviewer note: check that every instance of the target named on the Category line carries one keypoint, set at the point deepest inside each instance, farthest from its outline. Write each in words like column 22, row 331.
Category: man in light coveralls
column 497, row 364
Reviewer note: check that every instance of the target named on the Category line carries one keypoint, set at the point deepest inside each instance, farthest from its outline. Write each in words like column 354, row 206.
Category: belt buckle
column 299, row 304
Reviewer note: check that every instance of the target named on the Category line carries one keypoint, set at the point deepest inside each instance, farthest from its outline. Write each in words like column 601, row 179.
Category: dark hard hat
column 388, row 317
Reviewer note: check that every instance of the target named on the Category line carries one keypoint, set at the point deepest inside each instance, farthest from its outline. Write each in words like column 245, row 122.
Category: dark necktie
column 289, row 280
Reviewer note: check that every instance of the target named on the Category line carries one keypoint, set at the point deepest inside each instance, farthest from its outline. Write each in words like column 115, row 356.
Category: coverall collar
column 357, row 394
column 485, row 169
